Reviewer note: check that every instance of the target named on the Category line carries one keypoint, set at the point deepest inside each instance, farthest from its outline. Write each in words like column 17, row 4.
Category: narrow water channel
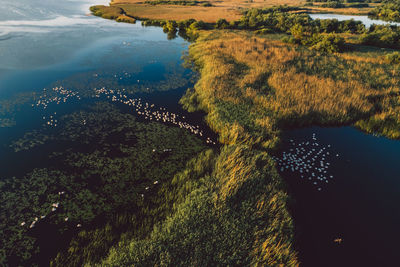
column 364, row 19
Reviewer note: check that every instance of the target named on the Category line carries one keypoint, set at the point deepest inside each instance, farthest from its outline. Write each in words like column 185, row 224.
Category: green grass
column 228, row 211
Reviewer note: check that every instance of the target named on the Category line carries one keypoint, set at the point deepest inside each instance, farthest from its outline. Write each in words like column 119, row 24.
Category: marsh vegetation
column 252, row 87
column 108, row 165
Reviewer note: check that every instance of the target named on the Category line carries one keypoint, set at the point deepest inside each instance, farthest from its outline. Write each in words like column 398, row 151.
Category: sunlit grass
column 251, row 87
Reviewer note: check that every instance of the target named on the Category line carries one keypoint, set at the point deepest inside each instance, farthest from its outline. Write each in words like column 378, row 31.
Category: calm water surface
column 359, row 204
column 364, row 19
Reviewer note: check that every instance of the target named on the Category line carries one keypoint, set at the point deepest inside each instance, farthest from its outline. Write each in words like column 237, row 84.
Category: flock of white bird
column 150, row 112
column 146, row 110
column 309, row 160
column 54, row 207
column 58, row 95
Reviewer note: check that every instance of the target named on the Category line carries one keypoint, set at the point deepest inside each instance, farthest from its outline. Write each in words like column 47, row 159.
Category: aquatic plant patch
column 104, row 166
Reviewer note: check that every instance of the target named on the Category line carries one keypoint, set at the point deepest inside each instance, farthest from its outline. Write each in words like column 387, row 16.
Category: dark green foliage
column 187, row 28
column 222, row 24
column 328, row 43
column 388, row 11
column 382, row 36
column 277, row 19
column 170, row 26
column 393, row 58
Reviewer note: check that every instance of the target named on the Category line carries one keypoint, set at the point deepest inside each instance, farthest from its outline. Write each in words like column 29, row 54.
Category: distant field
column 227, row 9
column 346, row 10
column 206, row 14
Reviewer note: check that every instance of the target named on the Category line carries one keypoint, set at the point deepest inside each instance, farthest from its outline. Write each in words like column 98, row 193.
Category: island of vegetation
column 262, row 71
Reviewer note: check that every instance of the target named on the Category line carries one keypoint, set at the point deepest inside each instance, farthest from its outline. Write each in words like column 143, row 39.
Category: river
column 364, row 19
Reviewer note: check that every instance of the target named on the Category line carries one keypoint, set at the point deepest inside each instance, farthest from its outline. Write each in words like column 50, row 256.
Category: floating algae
column 9, row 108
column 102, row 167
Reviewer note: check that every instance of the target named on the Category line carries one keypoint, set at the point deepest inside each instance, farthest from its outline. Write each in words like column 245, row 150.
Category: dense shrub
column 382, row 36
column 222, row 24
column 389, row 11
column 393, row 58
column 326, row 43
column 277, row 19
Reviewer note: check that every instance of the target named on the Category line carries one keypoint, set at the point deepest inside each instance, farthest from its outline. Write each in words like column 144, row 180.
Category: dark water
column 359, row 204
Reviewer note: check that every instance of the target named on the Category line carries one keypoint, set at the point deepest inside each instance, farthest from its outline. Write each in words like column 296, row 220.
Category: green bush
column 388, row 11
column 393, row 58
column 222, row 24
column 382, row 36
column 328, row 43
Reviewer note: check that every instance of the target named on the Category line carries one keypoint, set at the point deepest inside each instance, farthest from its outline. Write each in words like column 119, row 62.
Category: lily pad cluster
column 100, row 162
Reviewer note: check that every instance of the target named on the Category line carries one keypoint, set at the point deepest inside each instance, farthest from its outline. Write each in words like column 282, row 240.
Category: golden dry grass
column 165, row 12
column 346, row 11
column 251, row 86
column 227, row 9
